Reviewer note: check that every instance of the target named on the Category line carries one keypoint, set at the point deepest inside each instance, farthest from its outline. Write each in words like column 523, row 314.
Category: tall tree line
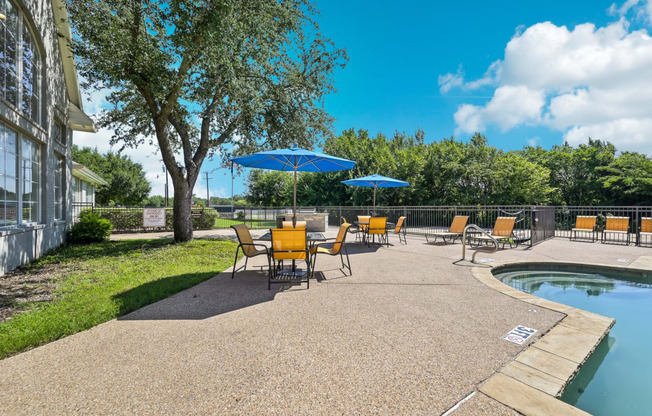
column 452, row 172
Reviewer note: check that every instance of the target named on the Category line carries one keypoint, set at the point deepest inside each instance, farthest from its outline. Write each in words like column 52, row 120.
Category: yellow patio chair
column 455, row 231
column 249, row 248
column 337, row 247
column 401, row 230
column 584, row 224
column 288, row 244
column 502, row 232
column 377, row 227
column 645, row 230
column 616, row 227
column 301, row 225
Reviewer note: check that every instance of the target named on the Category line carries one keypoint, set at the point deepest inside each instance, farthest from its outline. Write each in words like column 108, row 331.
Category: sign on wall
column 153, row 217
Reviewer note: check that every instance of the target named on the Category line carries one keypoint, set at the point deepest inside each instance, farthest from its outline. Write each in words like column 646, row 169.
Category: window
column 58, row 188
column 8, row 177
column 20, row 67
column 20, row 179
column 59, row 132
column 30, row 162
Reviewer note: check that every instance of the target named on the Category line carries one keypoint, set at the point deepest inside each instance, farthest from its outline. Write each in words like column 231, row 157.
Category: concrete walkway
column 410, row 332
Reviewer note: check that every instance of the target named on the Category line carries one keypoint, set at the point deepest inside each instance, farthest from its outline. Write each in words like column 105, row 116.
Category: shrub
column 205, row 220
column 240, row 215
column 91, row 228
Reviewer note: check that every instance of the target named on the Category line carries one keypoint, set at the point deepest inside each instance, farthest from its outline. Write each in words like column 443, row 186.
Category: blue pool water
column 617, row 378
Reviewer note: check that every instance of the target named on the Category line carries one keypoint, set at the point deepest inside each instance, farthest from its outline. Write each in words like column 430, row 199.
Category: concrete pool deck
column 410, row 332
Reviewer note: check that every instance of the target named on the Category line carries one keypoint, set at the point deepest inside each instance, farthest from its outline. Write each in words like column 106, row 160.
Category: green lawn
column 99, row 282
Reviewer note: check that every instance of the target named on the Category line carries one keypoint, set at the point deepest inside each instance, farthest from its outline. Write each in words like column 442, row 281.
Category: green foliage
column 102, row 281
column 127, row 182
column 205, row 219
column 131, row 219
column 452, row 172
column 91, row 228
column 270, row 188
column 628, row 179
column 194, row 74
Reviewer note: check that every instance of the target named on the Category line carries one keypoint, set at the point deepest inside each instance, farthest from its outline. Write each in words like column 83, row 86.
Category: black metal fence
column 534, row 224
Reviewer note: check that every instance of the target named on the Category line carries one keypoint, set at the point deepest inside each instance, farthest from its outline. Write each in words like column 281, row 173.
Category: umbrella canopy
column 294, row 159
column 376, row 181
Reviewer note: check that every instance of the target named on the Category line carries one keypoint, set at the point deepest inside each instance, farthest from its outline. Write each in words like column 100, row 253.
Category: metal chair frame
column 241, row 246
column 342, row 243
column 274, row 272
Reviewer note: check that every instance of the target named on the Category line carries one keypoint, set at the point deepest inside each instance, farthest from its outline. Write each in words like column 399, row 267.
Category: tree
column 628, row 179
column 270, row 188
column 126, row 178
column 194, row 74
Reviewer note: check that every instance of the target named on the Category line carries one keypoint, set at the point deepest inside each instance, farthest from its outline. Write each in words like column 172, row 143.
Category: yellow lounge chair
column 616, row 227
column 584, row 224
column 400, row 230
column 288, row 244
column 249, row 248
column 502, row 232
column 338, row 246
column 454, row 232
column 645, row 230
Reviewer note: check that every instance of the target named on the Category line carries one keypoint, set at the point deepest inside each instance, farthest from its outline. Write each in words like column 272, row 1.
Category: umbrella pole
column 294, row 212
column 374, row 211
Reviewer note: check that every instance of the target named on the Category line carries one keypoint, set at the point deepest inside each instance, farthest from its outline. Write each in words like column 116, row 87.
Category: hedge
column 131, row 219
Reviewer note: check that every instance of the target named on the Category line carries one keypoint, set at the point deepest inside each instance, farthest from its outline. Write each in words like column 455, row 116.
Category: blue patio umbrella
column 297, row 160
column 376, row 181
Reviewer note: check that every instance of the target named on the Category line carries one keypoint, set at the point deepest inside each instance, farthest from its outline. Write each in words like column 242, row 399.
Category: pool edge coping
column 534, row 380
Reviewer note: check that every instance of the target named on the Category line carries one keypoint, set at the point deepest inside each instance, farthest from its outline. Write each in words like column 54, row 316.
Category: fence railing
column 534, row 224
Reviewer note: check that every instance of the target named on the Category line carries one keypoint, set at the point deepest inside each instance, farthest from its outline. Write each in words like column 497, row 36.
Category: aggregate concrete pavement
column 410, row 332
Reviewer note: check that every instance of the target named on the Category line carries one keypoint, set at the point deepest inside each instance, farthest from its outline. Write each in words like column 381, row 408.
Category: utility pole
column 208, row 199
column 231, row 189
column 166, row 187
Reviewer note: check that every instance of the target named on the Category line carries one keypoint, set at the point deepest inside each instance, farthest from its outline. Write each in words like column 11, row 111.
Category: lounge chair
column 301, row 225
column 400, row 230
column 337, row 247
column 615, row 229
column 288, row 244
column 645, row 230
column 502, row 232
column 454, row 232
column 584, row 224
column 377, row 227
column 249, row 248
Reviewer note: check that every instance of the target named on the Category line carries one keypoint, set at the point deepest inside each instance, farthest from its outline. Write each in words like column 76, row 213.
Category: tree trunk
column 182, row 219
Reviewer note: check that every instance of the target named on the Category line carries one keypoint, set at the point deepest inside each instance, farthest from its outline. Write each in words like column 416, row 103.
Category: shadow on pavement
column 213, row 297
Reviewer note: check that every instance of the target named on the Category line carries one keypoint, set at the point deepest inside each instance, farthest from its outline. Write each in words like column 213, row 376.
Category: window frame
column 22, row 25
column 59, row 183
column 36, row 184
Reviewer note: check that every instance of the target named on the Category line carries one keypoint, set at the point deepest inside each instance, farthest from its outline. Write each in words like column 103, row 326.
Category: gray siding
column 21, row 244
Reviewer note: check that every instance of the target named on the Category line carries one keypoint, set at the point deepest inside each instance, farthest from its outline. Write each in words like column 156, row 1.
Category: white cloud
column 629, row 133
column 509, row 107
column 533, row 141
column 448, row 81
column 584, row 81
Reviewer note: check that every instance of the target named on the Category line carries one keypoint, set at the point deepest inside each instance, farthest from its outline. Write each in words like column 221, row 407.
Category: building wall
column 21, row 243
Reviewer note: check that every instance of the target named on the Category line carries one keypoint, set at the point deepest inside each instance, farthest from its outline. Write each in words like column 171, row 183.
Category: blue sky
column 520, row 72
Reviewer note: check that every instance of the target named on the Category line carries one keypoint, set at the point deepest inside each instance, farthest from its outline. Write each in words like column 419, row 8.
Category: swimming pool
column 617, row 378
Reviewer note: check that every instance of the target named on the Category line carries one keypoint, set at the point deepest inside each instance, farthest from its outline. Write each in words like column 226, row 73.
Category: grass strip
column 99, row 282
